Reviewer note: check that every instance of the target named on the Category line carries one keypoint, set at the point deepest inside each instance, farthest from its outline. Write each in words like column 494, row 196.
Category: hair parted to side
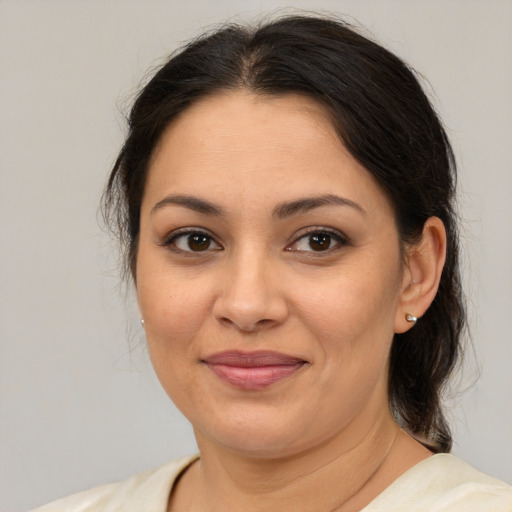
column 386, row 122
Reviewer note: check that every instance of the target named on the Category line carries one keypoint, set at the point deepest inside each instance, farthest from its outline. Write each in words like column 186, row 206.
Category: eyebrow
column 192, row 203
column 281, row 211
column 309, row 203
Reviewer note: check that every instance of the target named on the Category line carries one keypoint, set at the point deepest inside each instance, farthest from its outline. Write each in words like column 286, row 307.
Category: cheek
column 350, row 307
column 172, row 316
column 351, row 320
column 173, row 306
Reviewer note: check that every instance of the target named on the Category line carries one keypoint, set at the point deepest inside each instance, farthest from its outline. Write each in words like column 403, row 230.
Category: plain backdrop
column 79, row 403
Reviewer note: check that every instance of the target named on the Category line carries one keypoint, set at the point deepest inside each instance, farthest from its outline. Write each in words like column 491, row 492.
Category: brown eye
column 198, row 242
column 320, row 242
column 194, row 242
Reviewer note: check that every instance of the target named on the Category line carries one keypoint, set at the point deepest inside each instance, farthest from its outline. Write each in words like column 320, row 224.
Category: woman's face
column 268, row 275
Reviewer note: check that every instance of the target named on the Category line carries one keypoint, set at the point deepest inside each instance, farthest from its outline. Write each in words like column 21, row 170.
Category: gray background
column 79, row 403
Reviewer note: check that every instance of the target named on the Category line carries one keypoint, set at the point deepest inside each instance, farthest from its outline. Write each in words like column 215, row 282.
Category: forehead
column 244, row 121
column 245, row 147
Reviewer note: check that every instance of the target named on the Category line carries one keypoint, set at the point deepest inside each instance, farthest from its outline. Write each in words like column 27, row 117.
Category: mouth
column 253, row 370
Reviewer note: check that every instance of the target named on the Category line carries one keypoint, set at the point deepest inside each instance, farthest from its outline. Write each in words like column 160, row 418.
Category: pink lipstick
column 253, row 370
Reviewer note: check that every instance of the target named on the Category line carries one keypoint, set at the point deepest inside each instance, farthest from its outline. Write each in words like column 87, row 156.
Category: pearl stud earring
column 411, row 318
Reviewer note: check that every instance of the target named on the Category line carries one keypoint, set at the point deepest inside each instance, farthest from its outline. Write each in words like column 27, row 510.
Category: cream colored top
column 440, row 483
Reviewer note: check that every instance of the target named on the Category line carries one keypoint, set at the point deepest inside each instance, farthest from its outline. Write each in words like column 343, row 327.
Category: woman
column 285, row 197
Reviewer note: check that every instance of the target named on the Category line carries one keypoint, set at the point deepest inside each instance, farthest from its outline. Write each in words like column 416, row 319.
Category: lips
column 253, row 370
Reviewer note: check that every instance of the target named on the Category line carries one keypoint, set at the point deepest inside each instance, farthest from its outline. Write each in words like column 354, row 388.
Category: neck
column 340, row 474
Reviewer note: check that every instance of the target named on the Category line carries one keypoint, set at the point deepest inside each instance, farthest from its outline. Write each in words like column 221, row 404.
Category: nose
column 251, row 298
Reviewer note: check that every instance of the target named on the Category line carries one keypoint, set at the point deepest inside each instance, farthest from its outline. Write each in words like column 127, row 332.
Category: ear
column 422, row 273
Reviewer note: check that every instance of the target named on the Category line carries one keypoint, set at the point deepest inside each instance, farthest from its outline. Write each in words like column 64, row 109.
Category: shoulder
column 148, row 489
column 444, row 483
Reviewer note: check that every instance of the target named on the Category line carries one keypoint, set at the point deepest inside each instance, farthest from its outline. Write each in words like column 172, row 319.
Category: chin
column 259, row 445
column 257, row 435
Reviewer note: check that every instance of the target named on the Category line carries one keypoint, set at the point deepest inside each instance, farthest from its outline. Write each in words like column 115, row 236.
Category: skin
column 263, row 284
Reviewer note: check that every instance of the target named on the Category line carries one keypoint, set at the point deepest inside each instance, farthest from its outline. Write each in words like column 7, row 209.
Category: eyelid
column 334, row 233
column 170, row 238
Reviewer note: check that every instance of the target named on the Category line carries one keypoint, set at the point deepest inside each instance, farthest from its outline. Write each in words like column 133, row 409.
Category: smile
column 253, row 370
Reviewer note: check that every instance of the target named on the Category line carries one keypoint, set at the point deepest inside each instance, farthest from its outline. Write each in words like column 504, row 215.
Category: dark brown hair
column 387, row 123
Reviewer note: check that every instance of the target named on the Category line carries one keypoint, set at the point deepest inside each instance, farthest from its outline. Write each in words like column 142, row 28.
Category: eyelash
column 336, row 237
column 184, row 233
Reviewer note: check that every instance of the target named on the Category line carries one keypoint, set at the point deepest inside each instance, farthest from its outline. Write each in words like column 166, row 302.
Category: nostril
column 246, row 326
column 225, row 321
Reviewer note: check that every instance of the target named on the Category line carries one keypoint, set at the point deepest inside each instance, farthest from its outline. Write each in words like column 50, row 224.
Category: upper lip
column 252, row 359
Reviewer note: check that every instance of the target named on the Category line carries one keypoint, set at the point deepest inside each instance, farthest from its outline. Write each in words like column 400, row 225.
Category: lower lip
column 255, row 377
